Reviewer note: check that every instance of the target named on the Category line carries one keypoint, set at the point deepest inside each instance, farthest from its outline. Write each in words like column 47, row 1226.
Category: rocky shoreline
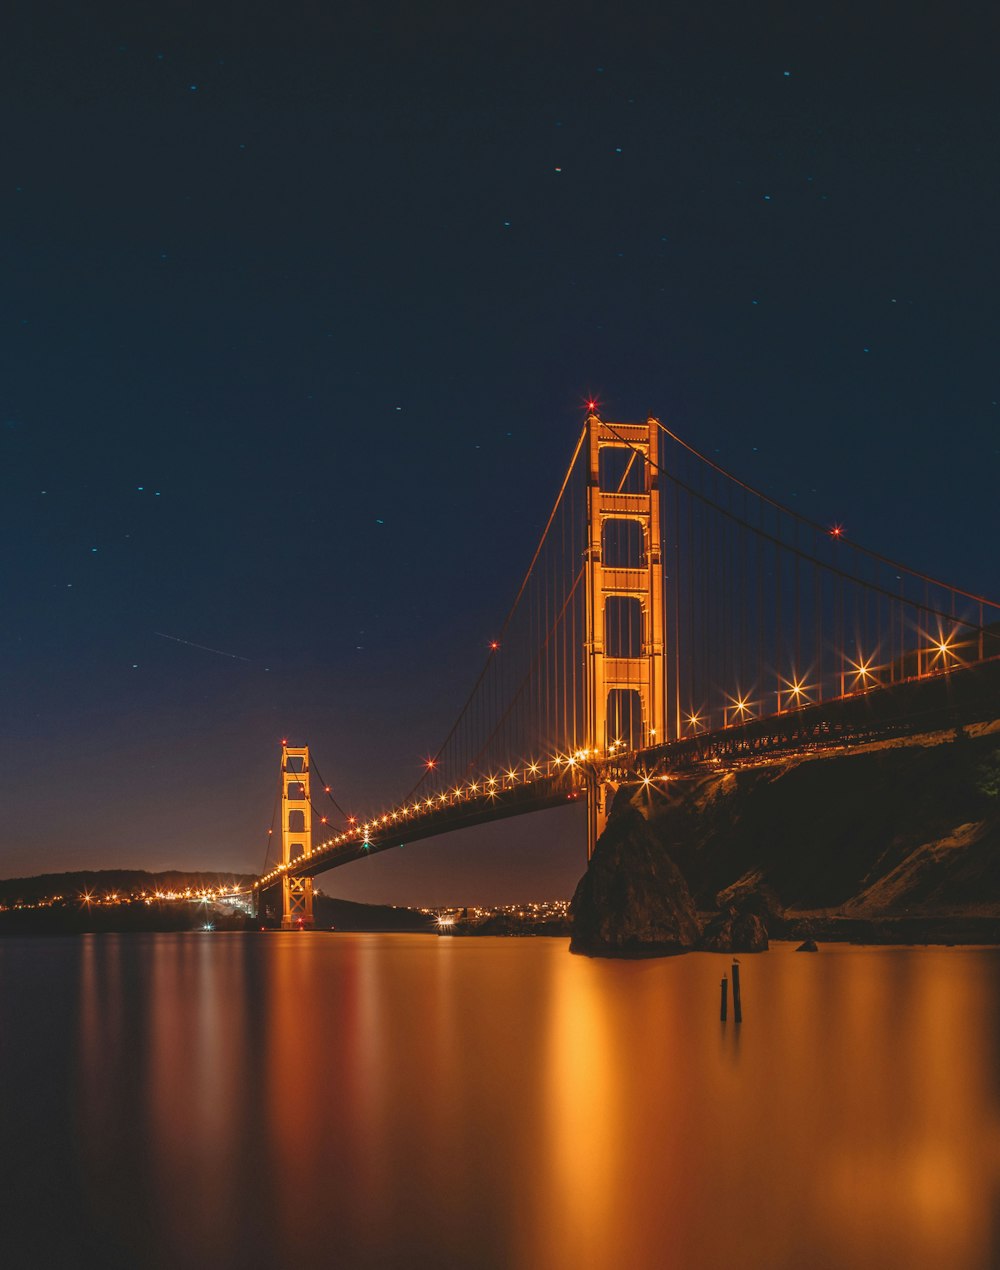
column 893, row 845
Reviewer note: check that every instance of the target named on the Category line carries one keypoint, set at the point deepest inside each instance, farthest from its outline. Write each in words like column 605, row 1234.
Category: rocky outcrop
column 893, row 830
column 633, row 900
column 733, row 931
column 895, row 843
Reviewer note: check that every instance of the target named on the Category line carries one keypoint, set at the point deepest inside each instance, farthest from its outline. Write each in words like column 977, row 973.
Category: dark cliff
column 633, row 900
column 890, row 834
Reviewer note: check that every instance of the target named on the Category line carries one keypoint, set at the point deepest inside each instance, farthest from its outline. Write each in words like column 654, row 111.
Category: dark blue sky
column 299, row 309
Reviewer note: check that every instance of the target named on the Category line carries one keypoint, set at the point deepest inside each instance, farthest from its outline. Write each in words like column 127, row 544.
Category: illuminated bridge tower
column 624, row 645
column 296, row 837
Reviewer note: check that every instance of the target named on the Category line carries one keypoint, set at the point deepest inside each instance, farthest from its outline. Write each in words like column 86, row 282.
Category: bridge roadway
column 951, row 699
column 396, row 829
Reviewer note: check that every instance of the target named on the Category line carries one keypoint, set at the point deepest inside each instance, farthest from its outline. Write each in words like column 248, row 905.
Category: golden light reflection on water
column 315, row 1099
column 578, row 1140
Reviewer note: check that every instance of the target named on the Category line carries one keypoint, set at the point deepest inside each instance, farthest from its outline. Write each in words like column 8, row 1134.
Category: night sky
column 299, row 310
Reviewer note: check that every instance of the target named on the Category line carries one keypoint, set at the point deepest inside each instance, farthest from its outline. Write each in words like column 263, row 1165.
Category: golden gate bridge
column 671, row 615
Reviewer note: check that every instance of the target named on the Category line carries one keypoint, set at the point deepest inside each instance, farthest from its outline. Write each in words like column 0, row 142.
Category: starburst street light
column 796, row 691
column 864, row 672
column 942, row 650
column 740, row 707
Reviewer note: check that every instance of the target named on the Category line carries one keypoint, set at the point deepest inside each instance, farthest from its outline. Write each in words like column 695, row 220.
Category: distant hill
column 104, row 881
column 346, row 915
column 51, row 903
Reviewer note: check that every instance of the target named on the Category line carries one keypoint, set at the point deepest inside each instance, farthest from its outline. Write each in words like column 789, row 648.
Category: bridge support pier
column 297, row 903
column 296, row 837
column 599, row 796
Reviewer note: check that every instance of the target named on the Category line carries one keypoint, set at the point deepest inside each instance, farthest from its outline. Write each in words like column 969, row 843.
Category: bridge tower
column 622, row 678
column 296, row 836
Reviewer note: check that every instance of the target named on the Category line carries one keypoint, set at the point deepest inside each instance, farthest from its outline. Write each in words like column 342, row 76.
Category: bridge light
column 326, row 789
column 741, row 705
column 431, row 763
column 862, row 671
column 836, row 531
column 494, row 645
column 796, row 688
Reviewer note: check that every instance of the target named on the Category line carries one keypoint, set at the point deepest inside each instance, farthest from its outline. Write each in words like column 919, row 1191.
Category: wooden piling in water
column 725, row 999
column 737, row 1002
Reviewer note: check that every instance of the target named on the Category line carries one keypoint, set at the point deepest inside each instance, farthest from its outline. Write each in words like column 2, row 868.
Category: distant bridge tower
column 624, row 642
column 296, row 837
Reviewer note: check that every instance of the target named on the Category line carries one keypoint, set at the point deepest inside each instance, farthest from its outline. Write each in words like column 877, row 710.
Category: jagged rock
column 751, row 894
column 808, row 946
column 893, row 830
column 633, row 901
column 733, row 931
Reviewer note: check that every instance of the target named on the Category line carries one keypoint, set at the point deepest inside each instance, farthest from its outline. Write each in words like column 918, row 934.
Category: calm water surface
column 338, row 1100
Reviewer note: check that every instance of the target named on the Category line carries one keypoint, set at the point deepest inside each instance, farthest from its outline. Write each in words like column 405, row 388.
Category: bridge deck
column 949, row 700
